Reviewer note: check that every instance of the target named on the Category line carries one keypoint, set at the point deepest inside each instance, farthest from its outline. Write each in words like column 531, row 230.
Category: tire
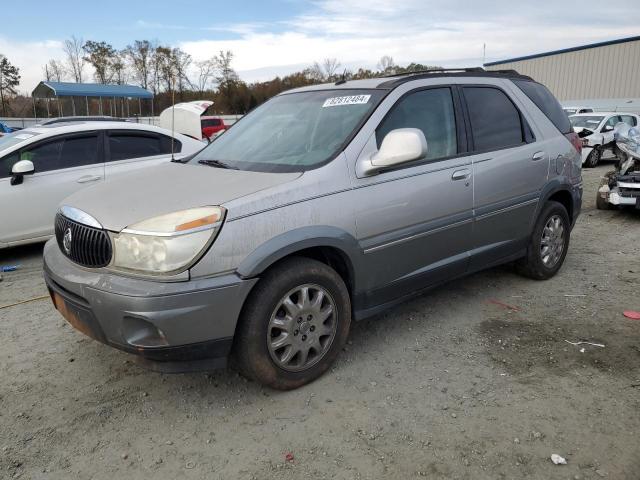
column 269, row 332
column 535, row 264
column 602, row 204
column 593, row 158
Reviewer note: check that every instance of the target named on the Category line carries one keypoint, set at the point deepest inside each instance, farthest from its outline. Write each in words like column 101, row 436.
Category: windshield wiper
column 218, row 164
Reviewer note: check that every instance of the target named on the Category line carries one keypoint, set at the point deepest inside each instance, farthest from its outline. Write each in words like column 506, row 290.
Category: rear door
column 127, row 150
column 63, row 165
column 509, row 168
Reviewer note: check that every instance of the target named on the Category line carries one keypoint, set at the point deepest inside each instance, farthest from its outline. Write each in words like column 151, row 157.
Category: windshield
column 591, row 122
column 293, row 132
column 11, row 139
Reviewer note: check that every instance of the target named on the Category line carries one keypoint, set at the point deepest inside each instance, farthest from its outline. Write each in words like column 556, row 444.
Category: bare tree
column 324, row 72
column 75, row 57
column 181, row 61
column 119, row 68
column 140, row 56
column 54, row 71
column 206, row 71
column 386, row 64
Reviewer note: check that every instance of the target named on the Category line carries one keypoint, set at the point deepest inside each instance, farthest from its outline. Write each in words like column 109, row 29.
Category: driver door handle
column 461, row 174
column 89, row 178
column 538, row 156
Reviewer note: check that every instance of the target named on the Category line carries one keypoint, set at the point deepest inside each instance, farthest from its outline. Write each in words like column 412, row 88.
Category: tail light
column 575, row 141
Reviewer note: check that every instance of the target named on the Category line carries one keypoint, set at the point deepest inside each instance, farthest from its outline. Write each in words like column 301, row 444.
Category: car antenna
column 173, row 118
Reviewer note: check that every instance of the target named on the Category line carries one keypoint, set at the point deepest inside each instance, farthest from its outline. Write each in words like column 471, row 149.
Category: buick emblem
column 66, row 241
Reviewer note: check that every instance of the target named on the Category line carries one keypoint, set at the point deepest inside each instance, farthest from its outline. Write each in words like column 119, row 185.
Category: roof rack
column 438, row 70
column 400, row 78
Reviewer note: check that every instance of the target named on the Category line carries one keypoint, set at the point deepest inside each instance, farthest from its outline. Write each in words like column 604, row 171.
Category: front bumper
column 170, row 326
column 585, row 153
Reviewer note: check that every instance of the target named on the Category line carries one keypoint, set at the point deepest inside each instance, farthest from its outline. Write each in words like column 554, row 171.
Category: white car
column 40, row 166
column 575, row 110
column 596, row 132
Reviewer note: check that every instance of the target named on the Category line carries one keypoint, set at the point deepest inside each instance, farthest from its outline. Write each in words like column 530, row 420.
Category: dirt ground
column 450, row 385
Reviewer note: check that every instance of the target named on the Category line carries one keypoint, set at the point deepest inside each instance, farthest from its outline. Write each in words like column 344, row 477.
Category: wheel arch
column 330, row 245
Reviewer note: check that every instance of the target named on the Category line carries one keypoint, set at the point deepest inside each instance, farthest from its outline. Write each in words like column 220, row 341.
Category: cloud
column 30, row 57
column 449, row 33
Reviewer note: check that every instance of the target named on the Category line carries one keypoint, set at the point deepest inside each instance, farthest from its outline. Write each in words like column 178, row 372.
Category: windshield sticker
column 348, row 100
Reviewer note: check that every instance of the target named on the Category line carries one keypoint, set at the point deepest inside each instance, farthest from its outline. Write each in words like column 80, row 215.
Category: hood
column 148, row 192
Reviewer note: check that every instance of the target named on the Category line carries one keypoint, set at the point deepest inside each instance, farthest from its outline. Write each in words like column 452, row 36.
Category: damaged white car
column 596, row 132
column 621, row 187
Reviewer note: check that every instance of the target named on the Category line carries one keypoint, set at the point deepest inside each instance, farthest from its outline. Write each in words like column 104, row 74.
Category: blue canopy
column 69, row 89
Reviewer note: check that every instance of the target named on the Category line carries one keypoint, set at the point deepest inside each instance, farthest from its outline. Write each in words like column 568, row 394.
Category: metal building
column 606, row 70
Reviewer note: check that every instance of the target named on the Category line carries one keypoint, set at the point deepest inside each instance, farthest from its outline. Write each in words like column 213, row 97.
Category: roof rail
column 398, row 79
column 439, row 70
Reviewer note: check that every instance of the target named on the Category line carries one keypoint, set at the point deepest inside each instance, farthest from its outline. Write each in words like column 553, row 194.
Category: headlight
column 168, row 243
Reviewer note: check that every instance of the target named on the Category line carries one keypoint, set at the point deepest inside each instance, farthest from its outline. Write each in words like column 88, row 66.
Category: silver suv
column 325, row 204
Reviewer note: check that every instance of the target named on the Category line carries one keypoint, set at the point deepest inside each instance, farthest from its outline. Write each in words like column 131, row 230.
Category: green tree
column 9, row 80
column 102, row 56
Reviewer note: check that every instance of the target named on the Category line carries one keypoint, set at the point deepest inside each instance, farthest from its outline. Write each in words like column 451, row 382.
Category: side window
column 495, row 120
column 63, row 153
column 629, row 120
column 432, row 112
column 612, row 121
column 7, row 163
column 547, row 103
column 126, row 145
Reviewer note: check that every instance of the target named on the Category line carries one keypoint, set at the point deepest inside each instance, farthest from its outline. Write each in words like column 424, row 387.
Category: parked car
column 596, row 132
column 40, row 166
column 212, row 126
column 573, row 110
column 96, row 118
column 325, row 204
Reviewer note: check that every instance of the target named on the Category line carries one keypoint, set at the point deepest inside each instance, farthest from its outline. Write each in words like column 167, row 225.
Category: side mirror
column 20, row 169
column 399, row 146
column 607, row 128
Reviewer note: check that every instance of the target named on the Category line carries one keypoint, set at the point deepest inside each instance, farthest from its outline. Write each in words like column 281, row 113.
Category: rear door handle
column 538, row 156
column 89, row 178
column 461, row 174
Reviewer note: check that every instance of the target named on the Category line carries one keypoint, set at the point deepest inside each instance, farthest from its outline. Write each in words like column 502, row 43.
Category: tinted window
column 211, row 122
column 545, row 101
column 123, row 146
column 495, row 121
column 432, row 112
column 57, row 154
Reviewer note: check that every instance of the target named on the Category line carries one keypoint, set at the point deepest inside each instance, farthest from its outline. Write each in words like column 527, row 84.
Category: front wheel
column 548, row 243
column 294, row 324
column 593, row 158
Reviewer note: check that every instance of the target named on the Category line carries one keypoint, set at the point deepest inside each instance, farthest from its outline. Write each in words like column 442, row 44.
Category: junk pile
column 622, row 185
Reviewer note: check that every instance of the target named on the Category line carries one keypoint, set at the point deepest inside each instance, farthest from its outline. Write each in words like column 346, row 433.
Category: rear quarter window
column 545, row 101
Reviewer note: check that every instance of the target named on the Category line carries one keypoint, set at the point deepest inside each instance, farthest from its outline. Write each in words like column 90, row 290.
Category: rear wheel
column 548, row 243
column 593, row 158
column 294, row 324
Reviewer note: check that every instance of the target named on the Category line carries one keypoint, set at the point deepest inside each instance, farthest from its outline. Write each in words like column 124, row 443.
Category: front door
column 63, row 165
column 414, row 222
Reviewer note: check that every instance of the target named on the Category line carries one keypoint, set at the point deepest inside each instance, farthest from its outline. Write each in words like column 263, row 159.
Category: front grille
column 629, row 192
column 89, row 247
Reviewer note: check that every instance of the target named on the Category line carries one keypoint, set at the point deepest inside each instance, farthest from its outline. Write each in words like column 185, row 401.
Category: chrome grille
column 88, row 246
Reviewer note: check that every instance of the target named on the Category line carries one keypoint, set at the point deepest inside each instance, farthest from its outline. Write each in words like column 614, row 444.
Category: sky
column 276, row 37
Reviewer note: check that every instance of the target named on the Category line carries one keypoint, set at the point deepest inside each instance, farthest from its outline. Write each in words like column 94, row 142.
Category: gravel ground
column 449, row 385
